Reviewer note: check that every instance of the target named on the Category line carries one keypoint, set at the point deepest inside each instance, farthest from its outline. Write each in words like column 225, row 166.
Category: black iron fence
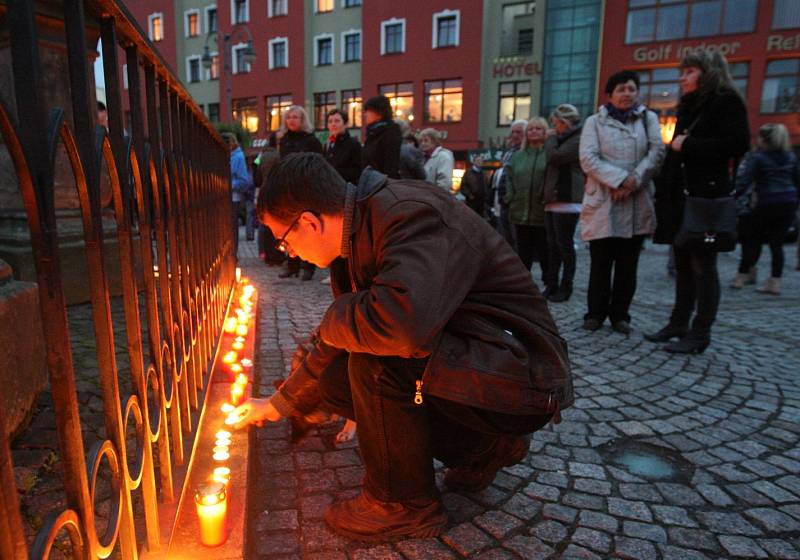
column 170, row 197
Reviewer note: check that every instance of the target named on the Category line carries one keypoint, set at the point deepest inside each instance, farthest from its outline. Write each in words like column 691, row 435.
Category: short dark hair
column 620, row 78
column 101, row 106
column 337, row 112
column 381, row 105
column 302, row 182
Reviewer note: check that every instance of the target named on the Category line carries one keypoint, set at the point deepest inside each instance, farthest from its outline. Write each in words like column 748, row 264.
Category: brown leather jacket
column 428, row 278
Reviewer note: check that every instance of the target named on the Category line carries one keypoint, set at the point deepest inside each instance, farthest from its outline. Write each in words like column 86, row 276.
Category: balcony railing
column 168, row 178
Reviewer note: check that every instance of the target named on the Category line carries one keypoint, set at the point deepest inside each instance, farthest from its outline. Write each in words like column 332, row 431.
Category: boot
column 562, row 294
column 771, row 286
column 367, row 519
column 670, row 331
column 505, row 451
column 692, row 343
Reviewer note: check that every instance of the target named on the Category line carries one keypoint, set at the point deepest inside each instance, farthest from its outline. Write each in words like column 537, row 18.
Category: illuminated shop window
column 277, row 105
column 662, row 20
column 351, row 104
column 245, row 112
column 785, row 14
column 444, row 100
column 781, row 92
column 515, row 102
column 323, row 102
column 401, row 96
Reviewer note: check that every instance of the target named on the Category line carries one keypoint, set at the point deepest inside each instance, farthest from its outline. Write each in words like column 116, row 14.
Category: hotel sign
column 514, row 67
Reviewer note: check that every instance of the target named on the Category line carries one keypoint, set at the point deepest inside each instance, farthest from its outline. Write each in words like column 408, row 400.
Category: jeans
column 398, row 439
column 620, row 256
column 532, row 242
column 696, row 282
column 767, row 224
column 560, row 228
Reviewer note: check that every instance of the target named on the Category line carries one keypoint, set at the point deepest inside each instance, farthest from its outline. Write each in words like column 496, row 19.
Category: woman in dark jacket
column 712, row 133
column 563, row 193
column 298, row 136
column 769, row 179
column 382, row 146
column 341, row 150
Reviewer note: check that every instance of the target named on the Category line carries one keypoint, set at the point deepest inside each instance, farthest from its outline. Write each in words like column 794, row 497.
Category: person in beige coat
column 620, row 152
column 439, row 160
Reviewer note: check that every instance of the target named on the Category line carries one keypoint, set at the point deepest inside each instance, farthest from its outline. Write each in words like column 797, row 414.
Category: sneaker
column 366, row 519
column 505, row 451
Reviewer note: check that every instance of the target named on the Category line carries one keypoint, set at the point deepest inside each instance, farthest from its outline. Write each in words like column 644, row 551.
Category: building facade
column 760, row 39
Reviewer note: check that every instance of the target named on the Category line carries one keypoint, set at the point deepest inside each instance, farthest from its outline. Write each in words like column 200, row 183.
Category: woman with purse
column 771, row 177
column 698, row 213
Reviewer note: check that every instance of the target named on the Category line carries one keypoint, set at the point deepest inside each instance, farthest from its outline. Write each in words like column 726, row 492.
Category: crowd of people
column 611, row 174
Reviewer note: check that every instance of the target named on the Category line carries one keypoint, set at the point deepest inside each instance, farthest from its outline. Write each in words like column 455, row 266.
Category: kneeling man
column 438, row 343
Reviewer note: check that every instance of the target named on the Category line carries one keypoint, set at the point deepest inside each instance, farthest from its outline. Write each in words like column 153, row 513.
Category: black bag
column 709, row 224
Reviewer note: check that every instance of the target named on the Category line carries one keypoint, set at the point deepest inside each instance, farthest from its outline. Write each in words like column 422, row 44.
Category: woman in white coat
column 439, row 160
column 620, row 152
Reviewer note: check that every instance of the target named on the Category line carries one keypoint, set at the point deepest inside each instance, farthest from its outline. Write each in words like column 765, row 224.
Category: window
column 323, row 102
column 278, row 8
column 445, row 28
column 277, row 105
column 515, row 102
column 245, row 112
column 351, row 46
column 444, row 100
column 240, row 11
column 351, row 3
column 393, row 36
column 191, row 23
column 213, row 72
column 155, row 26
column 781, row 93
column 740, row 71
column 661, row 20
column 785, row 14
column 351, row 104
column 525, row 41
column 322, row 6
column 401, row 96
column 192, row 69
column 211, row 19
column 569, row 68
column 517, row 26
column 278, row 51
column 213, row 112
column 323, row 50
column 124, row 76
column 240, row 66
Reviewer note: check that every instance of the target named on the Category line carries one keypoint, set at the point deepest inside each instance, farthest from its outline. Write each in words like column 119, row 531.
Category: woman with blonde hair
column 297, row 135
column 439, row 161
column 769, row 179
column 525, row 182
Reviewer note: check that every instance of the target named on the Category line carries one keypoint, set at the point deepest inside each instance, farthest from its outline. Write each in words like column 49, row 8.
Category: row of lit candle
column 211, row 498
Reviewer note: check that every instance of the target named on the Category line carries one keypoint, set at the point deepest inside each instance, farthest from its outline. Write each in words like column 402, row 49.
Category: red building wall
column 757, row 48
column 421, row 62
column 260, row 81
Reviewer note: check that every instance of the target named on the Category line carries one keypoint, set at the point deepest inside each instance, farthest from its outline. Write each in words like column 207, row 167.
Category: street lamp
column 248, row 57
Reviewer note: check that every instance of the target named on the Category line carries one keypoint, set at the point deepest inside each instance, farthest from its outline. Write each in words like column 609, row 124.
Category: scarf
column 621, row 116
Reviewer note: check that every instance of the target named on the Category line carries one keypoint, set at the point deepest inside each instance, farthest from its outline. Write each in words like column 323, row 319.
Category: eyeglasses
column 280, row 244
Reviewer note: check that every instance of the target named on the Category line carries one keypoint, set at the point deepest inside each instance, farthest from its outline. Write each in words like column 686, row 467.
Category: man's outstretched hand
column 255, row 411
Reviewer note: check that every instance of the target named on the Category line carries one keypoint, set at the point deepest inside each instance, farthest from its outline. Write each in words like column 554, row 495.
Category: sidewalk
column 662, row 456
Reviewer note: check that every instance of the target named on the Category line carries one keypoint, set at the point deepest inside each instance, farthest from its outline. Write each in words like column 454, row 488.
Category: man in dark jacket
column 382, row 145
column 437, row 343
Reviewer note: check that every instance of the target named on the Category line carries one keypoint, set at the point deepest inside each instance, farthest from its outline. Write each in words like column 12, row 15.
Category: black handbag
column 709, row 224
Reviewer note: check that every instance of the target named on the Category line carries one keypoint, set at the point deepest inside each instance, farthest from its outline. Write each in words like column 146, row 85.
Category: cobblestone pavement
column 662, row 456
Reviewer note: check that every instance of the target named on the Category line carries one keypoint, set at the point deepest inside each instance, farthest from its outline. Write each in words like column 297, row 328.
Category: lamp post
column 248, row 57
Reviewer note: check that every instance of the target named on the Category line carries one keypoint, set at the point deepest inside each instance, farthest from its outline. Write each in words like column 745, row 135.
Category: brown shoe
column 506, row 451
column 366, row 519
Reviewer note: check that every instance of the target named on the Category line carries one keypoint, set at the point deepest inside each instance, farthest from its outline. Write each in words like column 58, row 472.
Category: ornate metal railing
column 170, row 196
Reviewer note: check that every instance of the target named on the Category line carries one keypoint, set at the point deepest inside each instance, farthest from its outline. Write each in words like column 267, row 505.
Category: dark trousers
column 532, row 243
column 505, row 228
column 696, row 285
column 618, row 256
column 560, row 230
column 266, row 246
column 766, row 224
column 296, row 263
column 235, row 206
column 398, row 439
